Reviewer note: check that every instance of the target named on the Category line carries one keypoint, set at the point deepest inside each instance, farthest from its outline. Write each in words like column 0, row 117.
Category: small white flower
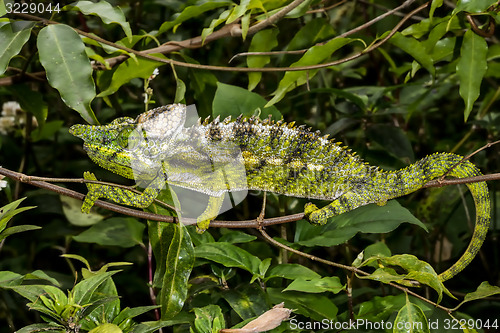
column 7, row 124
column 155, row 73
column 10, row 108
column 3, row 183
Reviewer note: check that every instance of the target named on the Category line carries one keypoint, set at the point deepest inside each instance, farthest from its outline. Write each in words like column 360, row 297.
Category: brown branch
column 196, row 42
column 254, row 223
column 348, row 268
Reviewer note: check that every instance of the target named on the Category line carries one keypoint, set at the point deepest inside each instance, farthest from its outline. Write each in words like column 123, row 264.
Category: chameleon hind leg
column 213, row 207
column 118, row 195
column 343, row 204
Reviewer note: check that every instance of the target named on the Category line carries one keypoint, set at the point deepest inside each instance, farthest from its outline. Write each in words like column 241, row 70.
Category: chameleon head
column 133, row 148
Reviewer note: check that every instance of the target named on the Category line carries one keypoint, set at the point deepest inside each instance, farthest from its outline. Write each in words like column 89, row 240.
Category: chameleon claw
column 202, row 226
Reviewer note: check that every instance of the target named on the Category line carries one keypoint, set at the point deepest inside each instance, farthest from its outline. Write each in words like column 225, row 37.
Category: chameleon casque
column 157, row 148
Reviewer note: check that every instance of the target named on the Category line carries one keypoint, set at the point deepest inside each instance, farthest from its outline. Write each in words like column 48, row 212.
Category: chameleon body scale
column 252, row 154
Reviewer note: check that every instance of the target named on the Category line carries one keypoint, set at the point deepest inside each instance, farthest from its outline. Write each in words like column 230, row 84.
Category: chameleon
column 275, row 156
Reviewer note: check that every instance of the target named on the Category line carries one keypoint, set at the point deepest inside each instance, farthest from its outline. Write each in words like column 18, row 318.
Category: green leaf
column 247, row 302
column 331, row 284
column 473, row 6
column 8, row 278
column 190, row 12
column 434, row 5
column 83, row 292
column 128, row 70
column 416, row 269
column 235, row 236
column 262, row 41
column 116, row 231
column 380, row 308
column 292, row 272
column 62, row 54
column 392, row 140
column 316, row 307
column 484, row 290
column 209, row 319
column 229, row 256
column 12, row 38
column 73, row 212
column 233, row 101
column 315, row 55
column 414, row 48
column 52, row 327
column 16, row 229
column 160, row 236
column 10, row 210
column 471, row 68
column 77, row 257
column 411, row 319
column 33, row 292
column 129, row 313
column 107, row 12
column 31, row 101
column 180, row 261
column 106, row 328
column 367, row 219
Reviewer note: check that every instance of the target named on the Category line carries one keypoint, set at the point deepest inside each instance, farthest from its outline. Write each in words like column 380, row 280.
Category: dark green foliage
column 431, row 87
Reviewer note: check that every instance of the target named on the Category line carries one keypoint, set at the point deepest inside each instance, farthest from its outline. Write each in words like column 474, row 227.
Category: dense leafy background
column 433, row 86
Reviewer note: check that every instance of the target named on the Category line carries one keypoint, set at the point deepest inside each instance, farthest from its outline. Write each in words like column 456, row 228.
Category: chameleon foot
column 202, row 226
column 93, row 193
column 313, row 214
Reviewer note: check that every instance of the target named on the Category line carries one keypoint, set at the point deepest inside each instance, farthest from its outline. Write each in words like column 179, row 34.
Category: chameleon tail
column 434, row 166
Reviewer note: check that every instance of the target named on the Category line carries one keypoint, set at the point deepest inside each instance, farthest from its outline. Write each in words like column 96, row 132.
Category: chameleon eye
column 128, row 139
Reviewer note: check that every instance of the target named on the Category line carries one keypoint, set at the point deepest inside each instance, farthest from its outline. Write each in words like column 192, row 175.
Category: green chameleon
column 250, row 154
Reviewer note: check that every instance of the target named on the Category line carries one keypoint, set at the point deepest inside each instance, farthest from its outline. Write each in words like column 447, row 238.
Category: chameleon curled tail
column 380, row 186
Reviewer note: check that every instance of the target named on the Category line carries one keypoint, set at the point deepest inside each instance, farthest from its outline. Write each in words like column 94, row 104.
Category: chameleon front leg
column 343, row 204
column 213, row 207
column 118, row 195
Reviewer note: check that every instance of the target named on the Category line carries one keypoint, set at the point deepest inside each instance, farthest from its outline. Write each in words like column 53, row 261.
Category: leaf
column 209, row 319
column 160, row 236
column 380, row 308
column 262, row 41
column 116, row 231
column 107, row 12
column 316, row 307
column 233, row 101
column 190, row 12
column 128, row 70
column 106, row 328
column 16, row 229
column 292, row 272
column 367, row 219
column 8, row 278
column 83, row 292
column 62, row 54
column 247, row 302
column 229, row 256
column 52, row 327
column 414, row 48
column 73, row 212
column 234, row 236
column 473, row 6
column 416, row 269
column 179, row 263
column 315, row 55
column 31, row 101
column 331, row 284
column 411, row 319
column 471, row 68
column 10, row 210
column 13, row 36
column 484, row 290
column 129, row 313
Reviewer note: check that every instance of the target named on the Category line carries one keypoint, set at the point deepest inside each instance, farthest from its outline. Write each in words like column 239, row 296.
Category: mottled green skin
column 277, row 157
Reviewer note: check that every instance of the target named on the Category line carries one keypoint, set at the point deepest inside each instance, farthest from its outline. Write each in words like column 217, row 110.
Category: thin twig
column 348, row 268
column 214, row 224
